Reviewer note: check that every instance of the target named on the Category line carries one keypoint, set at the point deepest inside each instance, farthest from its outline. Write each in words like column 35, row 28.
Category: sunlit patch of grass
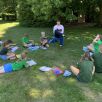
column 32, row 85
column 51, row 76
column 5, row 26
column 35, row 93
column 47, row 93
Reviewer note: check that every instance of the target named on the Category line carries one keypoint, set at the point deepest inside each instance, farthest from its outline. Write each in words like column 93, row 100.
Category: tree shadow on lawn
column 49, row 88
column 34, row 86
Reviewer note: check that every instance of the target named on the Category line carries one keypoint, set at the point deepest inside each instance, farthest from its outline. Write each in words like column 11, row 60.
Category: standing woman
column 58, row 31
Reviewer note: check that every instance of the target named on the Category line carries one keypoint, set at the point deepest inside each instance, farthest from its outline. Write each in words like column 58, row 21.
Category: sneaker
column 61, row 45
column 44, row 48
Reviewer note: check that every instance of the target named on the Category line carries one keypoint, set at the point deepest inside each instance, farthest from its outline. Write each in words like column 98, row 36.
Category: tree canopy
column 42, row 12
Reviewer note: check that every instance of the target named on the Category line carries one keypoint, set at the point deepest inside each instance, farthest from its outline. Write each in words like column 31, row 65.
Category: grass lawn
column 31, row 85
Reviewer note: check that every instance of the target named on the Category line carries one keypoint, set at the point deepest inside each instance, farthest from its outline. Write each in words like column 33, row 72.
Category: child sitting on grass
column 94, row 47
column 44, row 40
column 98, row 60
column 85, row 69
column 5, row 54
column 26, row 41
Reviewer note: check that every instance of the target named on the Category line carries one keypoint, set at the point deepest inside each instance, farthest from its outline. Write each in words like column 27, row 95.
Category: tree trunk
column 81, row 18
column 100, row 16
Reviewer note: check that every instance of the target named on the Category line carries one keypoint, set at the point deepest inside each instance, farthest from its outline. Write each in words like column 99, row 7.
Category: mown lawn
column 31, row 85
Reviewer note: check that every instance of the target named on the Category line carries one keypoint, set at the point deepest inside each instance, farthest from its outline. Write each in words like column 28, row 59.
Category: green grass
column 31, row 85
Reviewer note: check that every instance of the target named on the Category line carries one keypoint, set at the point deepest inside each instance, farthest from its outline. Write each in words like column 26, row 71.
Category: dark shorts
column 78, row 77
column 8, row 68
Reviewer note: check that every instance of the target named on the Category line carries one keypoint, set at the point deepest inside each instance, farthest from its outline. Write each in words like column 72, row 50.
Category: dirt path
column 90, row 94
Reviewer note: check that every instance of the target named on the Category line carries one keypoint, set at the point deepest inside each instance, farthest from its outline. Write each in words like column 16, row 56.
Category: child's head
column 24, row 54
column 26, row 35
column 58, row 22
column 43, row 34
column 100, row 37
column 9, row 41
column 5, row 44
column 86, row 56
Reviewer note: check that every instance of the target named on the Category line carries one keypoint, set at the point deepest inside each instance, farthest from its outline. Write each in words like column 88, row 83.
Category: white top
column 58, row 27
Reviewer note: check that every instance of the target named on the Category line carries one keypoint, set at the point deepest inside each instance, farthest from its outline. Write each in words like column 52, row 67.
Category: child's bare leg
column 32, row 41
column 74, row 70
column 42, row 43
column 47, row 45
column 25, row 45
column 11, row 56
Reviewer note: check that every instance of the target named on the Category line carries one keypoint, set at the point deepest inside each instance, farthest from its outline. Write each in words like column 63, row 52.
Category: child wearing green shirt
column 26, row 41
column 98, row 60
column 21, row 63
column 85, row 69
column 94, row 47
column 6, row 68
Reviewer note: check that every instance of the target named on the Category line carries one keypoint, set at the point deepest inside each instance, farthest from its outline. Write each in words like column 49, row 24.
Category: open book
column 31, row 63
column 45, row 68
column 13, row 49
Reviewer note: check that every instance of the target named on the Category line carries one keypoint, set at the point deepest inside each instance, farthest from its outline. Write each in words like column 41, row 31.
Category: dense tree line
column 45, row 12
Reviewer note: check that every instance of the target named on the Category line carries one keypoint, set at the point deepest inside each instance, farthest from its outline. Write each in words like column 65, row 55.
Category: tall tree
column 99, row 2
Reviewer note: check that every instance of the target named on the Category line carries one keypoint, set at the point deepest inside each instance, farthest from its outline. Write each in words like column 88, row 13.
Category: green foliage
column 31, row 85
column 46, row 12
column 8, row 9
column 24, row 13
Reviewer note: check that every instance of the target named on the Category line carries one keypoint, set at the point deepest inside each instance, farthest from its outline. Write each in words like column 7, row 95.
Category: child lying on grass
column 5, row 53
column 6, row 68
column 26, row 41
column 20, row 64
column 10, row 42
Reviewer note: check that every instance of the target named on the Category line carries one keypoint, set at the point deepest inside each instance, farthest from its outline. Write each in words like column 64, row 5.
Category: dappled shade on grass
column 31, row 85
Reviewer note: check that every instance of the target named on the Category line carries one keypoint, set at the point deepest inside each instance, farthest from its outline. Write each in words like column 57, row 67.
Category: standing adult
column 58, row 31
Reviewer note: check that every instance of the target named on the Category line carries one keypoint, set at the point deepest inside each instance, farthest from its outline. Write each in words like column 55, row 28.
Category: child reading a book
column 5, row 53
column 26, row 41
column 44, row 40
